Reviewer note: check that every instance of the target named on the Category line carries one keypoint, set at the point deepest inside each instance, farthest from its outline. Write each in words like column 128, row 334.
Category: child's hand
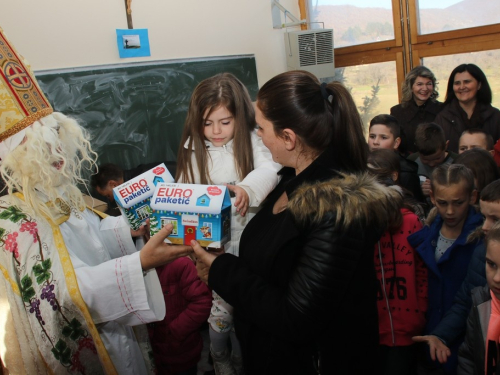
column 242, row 199
column 142, row 231
column 437, row 349
column 426, row 187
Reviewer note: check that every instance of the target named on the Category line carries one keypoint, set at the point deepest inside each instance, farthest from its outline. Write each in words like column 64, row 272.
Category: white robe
column 112, row 284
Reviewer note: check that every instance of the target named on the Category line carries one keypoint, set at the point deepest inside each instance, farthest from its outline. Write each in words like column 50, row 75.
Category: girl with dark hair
column 468, row 105
column 219, row 146
column 304, row 287
column 418, row 105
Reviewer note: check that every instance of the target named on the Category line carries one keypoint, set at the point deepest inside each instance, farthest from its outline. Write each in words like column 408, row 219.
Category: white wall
column 54, row 34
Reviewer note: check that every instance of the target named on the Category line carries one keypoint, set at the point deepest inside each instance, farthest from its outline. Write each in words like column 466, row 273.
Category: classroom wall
column 53, row 34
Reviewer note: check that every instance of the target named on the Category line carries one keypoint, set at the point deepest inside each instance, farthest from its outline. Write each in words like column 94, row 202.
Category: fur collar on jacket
column 350, row 197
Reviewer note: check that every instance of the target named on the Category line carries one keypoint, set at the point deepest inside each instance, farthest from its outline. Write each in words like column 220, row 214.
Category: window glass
column 444, row 15
column 372, row 86
column 442, row 66
column 354, row 21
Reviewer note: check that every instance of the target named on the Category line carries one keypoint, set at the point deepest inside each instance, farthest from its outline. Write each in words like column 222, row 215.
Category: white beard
column 49, row 161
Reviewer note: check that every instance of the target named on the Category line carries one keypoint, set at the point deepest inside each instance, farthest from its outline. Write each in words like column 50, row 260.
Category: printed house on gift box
column 197, row 212
column 133, row 196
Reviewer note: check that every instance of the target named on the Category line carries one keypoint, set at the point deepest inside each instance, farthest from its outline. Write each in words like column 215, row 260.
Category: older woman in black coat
column 418, row 104
column 304, row 288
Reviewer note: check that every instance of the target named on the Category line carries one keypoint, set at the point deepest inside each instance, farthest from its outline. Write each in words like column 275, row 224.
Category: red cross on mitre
column 17, row 76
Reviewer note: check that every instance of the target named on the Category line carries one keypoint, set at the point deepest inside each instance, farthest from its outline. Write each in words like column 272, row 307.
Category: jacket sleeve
column 421, row 276
column 199, row 301
column 466, row 350
column 321, row 273
column 491, row 124
column 452, row 326
column 264, row 178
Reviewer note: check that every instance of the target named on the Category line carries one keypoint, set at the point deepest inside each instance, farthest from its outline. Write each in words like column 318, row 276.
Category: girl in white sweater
column 219, row 145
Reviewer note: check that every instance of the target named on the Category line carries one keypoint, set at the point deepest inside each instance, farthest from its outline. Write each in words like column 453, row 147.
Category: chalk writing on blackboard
column 135, row 112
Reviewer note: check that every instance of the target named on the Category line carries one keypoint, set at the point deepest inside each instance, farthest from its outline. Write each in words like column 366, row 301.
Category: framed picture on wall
column 132, row 42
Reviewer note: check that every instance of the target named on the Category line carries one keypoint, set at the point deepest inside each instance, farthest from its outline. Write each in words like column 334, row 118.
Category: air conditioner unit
column 310, row 50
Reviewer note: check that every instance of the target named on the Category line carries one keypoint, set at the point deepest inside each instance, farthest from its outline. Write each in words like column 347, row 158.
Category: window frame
column 408, row 47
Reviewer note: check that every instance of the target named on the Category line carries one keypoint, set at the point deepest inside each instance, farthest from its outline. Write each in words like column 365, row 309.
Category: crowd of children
column 448, row 252
column 427, row 261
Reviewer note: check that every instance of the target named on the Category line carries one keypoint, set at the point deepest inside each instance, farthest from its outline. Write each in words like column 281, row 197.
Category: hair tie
column 326, row 95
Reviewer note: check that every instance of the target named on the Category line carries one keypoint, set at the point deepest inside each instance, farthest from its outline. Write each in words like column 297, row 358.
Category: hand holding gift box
column 197, row 212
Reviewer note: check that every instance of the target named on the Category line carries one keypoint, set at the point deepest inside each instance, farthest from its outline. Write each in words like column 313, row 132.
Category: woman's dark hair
column 482, row 165
column 483, row 95
column 322, row 116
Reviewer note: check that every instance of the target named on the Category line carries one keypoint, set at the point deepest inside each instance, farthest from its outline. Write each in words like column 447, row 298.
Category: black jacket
column 452, row 326
column 304, row 286
column 408, row 178
column 471, row 357
column 410, row 117
column 452, row 122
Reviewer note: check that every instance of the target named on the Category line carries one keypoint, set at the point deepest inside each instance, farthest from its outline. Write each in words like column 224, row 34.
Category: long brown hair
column 220, row 90
column 321, row 115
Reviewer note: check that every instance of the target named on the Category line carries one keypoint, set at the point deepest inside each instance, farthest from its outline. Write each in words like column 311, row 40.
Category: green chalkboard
column 135, row 112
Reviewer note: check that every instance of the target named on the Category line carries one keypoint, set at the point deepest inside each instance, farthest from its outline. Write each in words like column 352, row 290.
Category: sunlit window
column 372, row 86
column 355, row 21
column 445, row 15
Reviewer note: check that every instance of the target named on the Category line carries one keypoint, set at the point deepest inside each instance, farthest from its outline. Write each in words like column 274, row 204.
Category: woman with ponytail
column 304, row 287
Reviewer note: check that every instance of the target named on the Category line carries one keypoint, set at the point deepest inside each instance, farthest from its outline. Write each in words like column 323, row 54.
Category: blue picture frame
column 132, row 43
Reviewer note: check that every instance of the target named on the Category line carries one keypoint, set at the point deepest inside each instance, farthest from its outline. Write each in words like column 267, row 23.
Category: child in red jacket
column 176, row 340
column 402, row 276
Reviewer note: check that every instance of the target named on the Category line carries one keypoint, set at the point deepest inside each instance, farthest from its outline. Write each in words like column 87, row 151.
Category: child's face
column 452, row 203
column 470, row 141
column 218, row 126
column 433, row 160
column 493, row 267
column 381, row 137
column 108, row 190
column 491, row 213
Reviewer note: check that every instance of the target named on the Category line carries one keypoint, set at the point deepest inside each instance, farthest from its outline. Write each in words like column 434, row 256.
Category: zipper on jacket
column 385, row 294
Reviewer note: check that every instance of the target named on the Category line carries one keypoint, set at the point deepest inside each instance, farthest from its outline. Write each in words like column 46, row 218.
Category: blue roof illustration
column 203, row 200
column 157, row 180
